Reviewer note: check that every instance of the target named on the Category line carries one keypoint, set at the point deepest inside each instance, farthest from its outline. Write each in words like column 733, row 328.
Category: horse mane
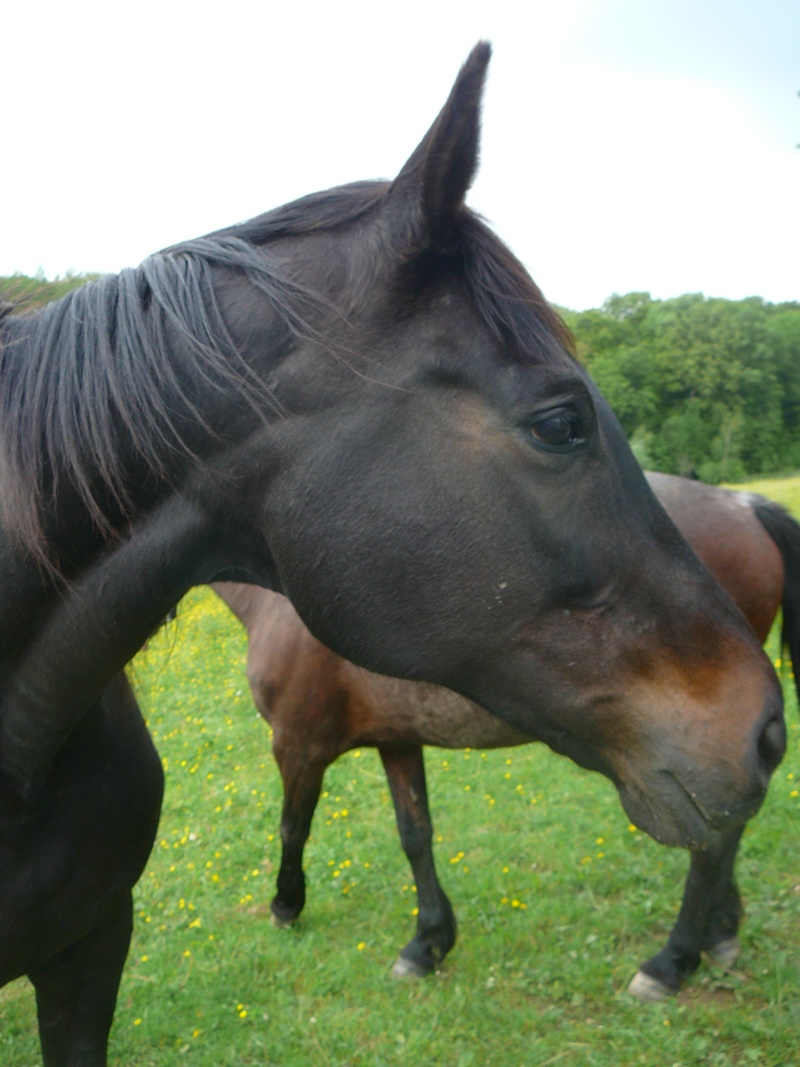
column 92, row 380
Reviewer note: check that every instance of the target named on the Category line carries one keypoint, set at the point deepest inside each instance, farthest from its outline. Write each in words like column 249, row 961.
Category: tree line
column 704, row 387
column 28, row 292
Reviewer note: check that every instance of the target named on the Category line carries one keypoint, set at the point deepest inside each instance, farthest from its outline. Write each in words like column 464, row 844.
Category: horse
column 360, row 400
column 320, row 706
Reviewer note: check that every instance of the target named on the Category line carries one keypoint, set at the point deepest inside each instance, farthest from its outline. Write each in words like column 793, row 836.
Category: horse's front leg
column 302, row 784
column 436, row 924
column 76, row 991
column 722, row 934
column 708, row 921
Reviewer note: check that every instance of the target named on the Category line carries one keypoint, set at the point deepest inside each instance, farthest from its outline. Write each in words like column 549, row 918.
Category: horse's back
column 725, row 533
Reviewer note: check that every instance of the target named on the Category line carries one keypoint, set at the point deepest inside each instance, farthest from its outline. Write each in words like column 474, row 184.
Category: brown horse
column 320, row 706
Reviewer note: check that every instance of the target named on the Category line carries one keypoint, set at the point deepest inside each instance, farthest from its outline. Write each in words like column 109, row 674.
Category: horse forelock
column 507, row 298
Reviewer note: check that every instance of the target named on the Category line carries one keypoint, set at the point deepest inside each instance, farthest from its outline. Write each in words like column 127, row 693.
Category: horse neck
column 95, row 627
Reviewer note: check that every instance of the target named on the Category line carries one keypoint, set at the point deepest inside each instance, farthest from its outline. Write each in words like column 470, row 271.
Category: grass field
column 558, row 900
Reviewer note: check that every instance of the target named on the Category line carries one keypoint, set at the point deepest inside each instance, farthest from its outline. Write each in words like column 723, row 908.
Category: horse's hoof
column 726, row 952
column 281, row 922
column 404, row 968
column 648, row 989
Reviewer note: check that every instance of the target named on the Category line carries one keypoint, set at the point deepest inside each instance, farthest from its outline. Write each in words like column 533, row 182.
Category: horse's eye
column 558, row 430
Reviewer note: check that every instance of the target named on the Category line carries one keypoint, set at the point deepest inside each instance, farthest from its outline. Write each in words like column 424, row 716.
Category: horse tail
column 785, row 532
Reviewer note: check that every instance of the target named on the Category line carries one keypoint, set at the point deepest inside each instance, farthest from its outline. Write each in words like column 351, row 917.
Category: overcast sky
column 628, row 144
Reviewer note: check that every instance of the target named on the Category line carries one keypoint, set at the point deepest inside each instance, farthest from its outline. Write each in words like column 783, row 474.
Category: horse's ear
column 429, row 191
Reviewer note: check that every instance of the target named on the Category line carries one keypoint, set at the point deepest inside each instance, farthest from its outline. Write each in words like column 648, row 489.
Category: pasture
column 558, row 898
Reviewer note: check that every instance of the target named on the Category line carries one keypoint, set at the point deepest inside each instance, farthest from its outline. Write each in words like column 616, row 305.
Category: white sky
column 628, row 144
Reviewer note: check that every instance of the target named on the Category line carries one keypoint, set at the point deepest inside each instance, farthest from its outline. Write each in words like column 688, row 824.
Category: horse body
column 363, row 401
column 320, row 706
column 304, row 690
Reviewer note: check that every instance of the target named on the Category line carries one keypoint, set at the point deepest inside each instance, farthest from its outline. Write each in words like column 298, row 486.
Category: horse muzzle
column 684, row 801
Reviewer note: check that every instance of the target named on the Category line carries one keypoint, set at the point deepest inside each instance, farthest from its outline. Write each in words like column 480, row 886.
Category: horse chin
column 668, row 814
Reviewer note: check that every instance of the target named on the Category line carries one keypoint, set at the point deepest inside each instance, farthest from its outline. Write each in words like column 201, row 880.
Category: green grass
column 558, row 901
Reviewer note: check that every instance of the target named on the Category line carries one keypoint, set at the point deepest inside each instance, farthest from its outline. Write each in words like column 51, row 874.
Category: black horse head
column 362, row 400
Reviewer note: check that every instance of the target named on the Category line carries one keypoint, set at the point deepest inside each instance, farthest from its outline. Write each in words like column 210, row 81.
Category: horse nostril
column 772, row 743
